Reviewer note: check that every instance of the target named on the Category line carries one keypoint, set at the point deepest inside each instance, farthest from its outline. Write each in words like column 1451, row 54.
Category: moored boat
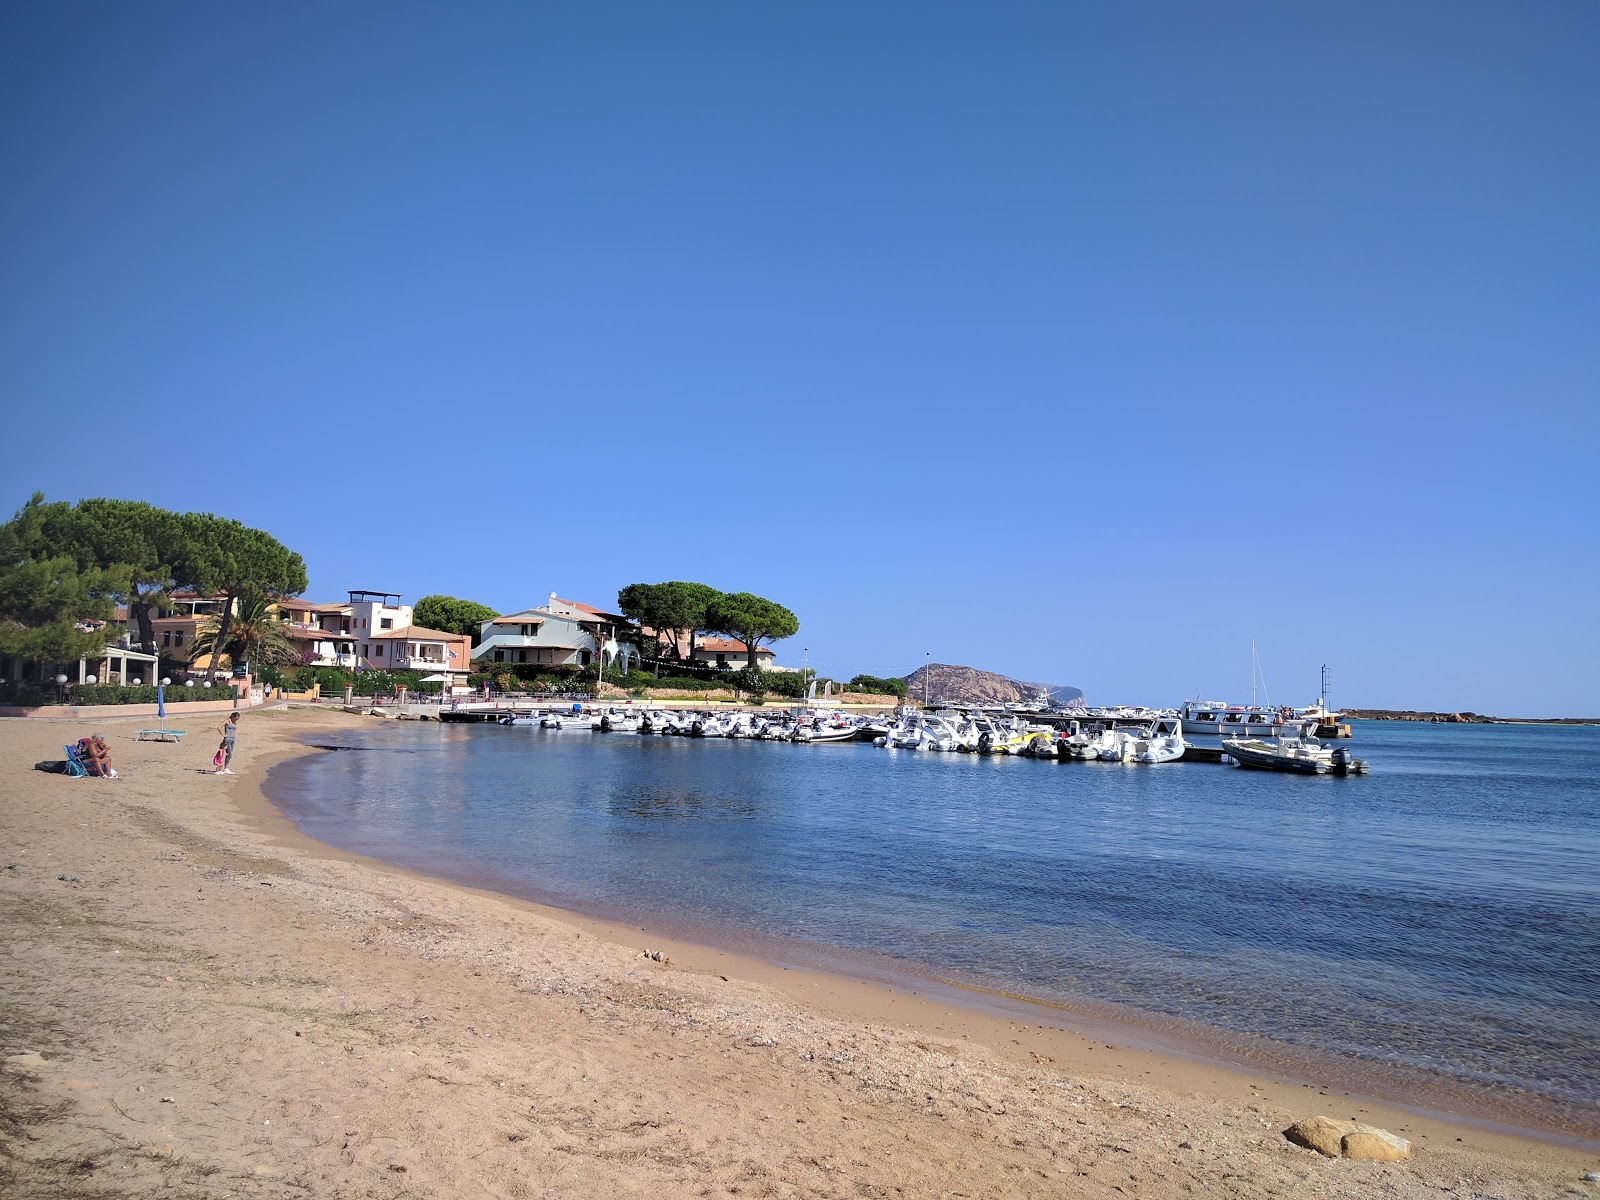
column 1232, row 720
column 1163, row 744
column 1299, row 753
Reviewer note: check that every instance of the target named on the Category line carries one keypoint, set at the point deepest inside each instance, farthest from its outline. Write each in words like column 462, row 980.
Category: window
column 166, row 637
column 584, row 654
column 522, row 656
column 177, row 638
column 499, row 656
column 385, row 622
column 377, row 650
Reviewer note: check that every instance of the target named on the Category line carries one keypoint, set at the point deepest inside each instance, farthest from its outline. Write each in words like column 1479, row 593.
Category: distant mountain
column 943, row 684
column 1062, row 695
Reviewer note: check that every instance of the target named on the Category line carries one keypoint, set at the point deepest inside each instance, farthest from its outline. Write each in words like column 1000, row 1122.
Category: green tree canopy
column 152, row 543
column 879, row 685
column 453, row 615
column 234, row 561
column 64, row 565
column 255, row 635
column 751, row 619
column 677, row 609
column 46, row 595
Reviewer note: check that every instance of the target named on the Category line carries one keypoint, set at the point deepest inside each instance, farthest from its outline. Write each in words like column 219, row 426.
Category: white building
column 386, row 640
column 730, row 653
column 561, row 633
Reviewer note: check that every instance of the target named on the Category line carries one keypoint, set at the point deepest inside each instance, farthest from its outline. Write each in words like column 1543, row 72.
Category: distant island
column 942, row 683
column 1458, row 718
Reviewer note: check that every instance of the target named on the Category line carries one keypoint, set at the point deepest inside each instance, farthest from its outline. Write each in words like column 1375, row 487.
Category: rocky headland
column 941, row 683
column 1458, row 718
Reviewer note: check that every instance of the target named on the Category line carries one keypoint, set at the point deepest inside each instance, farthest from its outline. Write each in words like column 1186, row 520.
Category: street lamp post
column 805, row 668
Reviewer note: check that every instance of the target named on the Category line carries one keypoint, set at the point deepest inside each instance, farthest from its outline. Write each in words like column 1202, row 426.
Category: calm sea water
column 1441, row 915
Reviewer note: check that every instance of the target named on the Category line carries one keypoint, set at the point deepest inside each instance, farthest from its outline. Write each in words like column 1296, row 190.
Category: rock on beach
column 1348, row 1139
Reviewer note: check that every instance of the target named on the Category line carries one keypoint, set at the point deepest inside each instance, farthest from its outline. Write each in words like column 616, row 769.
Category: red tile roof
column 315, row 633
column 414, row 633
column 718, row 645
column 589, row 608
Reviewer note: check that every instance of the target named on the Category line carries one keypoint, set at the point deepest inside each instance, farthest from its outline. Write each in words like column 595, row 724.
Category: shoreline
column 422, row 1022
column 1462, row 717
column 1404, row 1090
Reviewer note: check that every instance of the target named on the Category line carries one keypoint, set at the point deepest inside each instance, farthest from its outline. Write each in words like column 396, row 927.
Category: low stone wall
column 115, row 712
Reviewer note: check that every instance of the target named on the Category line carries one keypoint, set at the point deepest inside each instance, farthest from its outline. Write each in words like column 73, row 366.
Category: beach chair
column 161, row 734
column 75, row 767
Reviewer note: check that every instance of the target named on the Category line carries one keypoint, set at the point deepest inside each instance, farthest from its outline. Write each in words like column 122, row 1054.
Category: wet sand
column 203, row 1002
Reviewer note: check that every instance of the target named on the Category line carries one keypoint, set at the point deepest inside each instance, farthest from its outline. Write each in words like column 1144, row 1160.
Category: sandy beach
column 201, row 1002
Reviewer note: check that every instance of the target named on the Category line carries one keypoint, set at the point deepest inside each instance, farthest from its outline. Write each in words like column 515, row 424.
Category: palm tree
column 255, row 635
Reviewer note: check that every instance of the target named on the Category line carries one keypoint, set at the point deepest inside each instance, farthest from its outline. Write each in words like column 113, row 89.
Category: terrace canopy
column 120, row 655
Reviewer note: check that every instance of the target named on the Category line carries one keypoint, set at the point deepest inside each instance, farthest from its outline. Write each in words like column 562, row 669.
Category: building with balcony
column 560, row 633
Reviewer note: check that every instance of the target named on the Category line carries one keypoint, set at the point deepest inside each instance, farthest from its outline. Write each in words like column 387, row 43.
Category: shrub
column 883, row 687
column 334, row 680
column 28, row 695
column 112, row 693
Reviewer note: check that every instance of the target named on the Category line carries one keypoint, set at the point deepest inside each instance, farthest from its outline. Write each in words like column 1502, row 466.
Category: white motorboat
column 999, row 735
column 939, row 733
column 1232, row 720
column 515, row 719
column 1115, row 745
column 1080, row 744
column 904, row 734
column 1164, row 743
column 1300, row 753
column 1042, row 744
column 616, row 721
column 826, row 729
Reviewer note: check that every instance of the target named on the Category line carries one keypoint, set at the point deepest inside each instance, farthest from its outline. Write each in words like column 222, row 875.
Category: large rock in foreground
column 1348, row 1139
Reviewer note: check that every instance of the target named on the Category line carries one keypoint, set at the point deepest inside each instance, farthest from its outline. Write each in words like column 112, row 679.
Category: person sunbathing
column 96, row 756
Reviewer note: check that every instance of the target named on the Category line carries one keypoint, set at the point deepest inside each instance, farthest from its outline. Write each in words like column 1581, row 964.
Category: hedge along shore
column 201, row 1002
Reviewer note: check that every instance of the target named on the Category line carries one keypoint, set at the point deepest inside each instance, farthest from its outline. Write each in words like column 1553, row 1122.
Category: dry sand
column 199, row 1002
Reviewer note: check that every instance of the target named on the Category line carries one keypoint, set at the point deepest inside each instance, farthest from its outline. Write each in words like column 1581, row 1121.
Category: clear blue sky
column 1083, row 343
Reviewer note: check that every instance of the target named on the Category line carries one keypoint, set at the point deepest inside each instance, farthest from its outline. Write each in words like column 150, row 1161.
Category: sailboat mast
column 1255, row 674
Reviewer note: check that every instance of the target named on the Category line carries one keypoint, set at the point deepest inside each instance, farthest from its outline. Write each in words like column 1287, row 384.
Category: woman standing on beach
column 226, row 729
